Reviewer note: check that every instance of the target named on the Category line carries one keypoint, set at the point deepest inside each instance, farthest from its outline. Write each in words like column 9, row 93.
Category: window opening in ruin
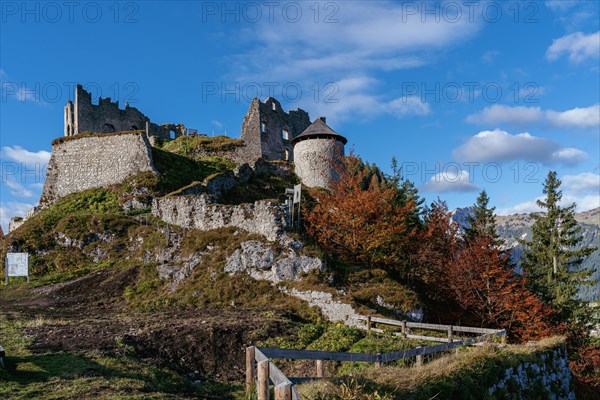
column 285, row 134
column 274, row 106
column 263, row 127
column 287, row 154
column 109, row 128
column 172, row 134
column 134, row 128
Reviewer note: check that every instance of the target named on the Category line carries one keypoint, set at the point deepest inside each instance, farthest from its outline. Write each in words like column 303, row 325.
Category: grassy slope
column 465, row 375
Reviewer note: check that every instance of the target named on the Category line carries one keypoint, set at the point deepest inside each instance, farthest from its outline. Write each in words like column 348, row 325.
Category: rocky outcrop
column 265, row 217
column 260, row 261
column 333, row 310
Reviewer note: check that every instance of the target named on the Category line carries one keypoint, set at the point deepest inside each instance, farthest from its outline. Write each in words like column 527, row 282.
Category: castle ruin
column 106, row 117
column 268, row 131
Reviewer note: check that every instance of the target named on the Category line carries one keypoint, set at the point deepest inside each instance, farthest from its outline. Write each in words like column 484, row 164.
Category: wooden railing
column 406, row 326
column 260, row 370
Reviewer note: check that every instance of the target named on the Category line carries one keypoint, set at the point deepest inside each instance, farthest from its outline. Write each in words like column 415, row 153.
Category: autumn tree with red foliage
column 360, row 220
column 483, row 282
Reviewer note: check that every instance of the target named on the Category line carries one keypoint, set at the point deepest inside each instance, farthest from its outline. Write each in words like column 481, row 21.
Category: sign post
column 17, row 264
column 297, row 198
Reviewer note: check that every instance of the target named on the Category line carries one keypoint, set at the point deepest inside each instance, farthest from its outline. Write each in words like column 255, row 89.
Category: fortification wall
column 85, row 162
column 264, row 217
column 314, row 160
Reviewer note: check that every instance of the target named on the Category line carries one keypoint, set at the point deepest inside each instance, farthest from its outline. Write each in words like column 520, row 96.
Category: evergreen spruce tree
column 406, row 192
column 552, row 258
column 482, row 220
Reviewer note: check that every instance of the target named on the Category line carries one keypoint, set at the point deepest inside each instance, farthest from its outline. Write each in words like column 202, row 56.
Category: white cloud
column 560, row 5
column 584, row 203
column 217, row 124
column 580, row 117
column 18, row 90
column 577, row 46
column 582, row 189
column 12, row 209
column 586, row 182
column 17, row 189
column 489, row 56
column 450, row 181
column 369, row 37
column 21, row 155
column 351, row 98
column 500, row 146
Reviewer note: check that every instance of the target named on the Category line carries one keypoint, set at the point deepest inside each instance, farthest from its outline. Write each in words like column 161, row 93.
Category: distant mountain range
column 518, row 226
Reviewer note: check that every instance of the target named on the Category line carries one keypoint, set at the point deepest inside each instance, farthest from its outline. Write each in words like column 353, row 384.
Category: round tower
column 317, row 154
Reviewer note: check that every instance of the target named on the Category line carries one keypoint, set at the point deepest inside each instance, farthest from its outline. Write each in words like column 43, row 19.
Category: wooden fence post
column 378, row 360
column 404, row 333
column 263, row 380
column 503, row 339
column 250, row 369
column 419, row 359
column 320, row 369
column 368, row 324
column 450, row 334
column 283, row 391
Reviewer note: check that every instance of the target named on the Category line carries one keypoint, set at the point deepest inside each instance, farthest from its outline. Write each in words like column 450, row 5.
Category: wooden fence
column 260, row 370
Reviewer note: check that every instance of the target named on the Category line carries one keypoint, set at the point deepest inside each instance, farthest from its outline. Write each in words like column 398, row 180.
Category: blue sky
column 467, row 96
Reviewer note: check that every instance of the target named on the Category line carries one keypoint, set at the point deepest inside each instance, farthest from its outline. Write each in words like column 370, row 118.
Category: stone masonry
column 265, row 217
column 86, row 162
column 267, row 130
column 106, row 117
column 317, row 154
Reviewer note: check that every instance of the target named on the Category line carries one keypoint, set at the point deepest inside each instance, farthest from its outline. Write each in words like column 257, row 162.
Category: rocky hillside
column 518, row 226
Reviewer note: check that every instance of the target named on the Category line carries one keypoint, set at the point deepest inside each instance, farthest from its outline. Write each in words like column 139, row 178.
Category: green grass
column 65, row 375
column 177, row 171
column 466, row 374
column 93, row 134
column 260, row 188
column 193, row 145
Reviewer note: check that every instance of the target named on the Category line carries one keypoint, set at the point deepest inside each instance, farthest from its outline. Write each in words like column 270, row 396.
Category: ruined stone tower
column 317, row 154
column 106, row 117
column 267, row 130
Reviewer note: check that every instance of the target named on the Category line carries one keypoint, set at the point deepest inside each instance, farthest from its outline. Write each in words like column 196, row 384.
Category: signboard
column 297, row 193
column 17, row 264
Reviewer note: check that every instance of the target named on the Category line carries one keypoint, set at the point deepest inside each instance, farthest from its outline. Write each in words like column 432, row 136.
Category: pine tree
column 482, row 221
column 552, row 258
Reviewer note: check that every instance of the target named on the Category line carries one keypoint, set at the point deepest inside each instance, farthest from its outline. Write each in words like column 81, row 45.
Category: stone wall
column 549, row 378
column 315, row 159
column 265, row 217
column 86, row 162
column 270, row 144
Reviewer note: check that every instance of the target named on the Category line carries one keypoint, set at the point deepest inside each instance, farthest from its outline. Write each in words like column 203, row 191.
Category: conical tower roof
column 319, row 129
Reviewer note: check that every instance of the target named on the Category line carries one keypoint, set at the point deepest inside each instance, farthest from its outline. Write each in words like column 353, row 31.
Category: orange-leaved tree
column 359, row 220
column 485, row 285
